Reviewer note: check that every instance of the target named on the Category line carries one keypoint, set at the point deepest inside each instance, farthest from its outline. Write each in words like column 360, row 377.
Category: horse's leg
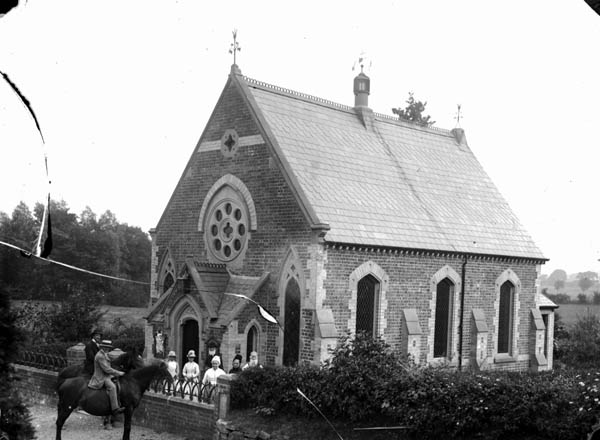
column 64, row 411
column 127, row 424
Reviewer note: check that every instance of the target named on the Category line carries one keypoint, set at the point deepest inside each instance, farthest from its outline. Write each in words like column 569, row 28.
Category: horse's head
column 163, row 372
column 130, row 360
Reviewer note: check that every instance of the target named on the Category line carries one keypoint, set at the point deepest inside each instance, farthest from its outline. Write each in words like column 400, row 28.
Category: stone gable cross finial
column 235, row 46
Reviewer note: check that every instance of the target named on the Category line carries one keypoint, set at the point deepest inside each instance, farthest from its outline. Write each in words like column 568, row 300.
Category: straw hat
column 216, row 359
column 171, row 354
column 106, row 343
column 191, row 354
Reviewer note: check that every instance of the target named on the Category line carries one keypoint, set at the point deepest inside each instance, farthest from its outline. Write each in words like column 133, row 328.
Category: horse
column 74, row 393
column 124, row 362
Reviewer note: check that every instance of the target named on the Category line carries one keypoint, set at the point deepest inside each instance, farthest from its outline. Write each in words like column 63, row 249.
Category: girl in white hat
column 209, row 381
column 191, row 370
column 172, row 364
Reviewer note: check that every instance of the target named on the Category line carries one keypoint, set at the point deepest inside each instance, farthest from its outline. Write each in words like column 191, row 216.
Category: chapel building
column 336, row 220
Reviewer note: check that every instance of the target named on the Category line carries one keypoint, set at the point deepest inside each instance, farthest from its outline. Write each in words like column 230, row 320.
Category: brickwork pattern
column 279, row 220
column 410, row 274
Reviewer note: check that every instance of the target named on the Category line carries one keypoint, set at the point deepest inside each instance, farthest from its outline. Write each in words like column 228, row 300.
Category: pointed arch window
column 291, row 344
column 251, row 341
column 443, row 318
column 367, row 305
column 505, row 318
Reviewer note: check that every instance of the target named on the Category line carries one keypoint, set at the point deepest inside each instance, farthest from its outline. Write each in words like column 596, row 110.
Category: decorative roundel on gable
column 227, row 229
column 229, row 142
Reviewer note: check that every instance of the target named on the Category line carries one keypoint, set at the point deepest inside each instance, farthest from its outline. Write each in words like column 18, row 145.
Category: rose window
column 227, row 230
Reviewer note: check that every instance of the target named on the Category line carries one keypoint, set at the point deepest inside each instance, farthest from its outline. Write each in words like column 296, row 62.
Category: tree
column 558, row 274
column 585, row 280
column 596, row 297
column 559, row 284
column 582, row 298
column 413, row 112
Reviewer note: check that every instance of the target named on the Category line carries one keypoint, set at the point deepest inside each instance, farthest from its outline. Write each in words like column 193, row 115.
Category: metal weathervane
column 458, row 115
column 235, row 46
column 362, row 61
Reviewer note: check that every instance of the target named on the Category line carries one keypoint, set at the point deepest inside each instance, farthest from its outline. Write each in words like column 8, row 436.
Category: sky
column 123, row 91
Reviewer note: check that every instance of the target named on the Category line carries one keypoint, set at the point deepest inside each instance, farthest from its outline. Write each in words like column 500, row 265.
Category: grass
column 569, row 313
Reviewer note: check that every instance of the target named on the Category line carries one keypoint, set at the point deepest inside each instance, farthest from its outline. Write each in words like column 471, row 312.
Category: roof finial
column 458, row 116
column 234, row 47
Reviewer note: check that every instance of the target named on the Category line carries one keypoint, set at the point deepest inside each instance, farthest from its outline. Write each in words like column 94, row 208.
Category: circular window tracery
column 227, row 226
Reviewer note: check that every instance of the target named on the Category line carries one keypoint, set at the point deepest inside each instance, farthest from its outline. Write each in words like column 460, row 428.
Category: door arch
column 190, row 338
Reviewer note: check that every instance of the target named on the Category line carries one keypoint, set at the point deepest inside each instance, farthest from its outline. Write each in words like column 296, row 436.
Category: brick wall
column 409, row 275
column 37, row 384
column 173, row 414
column 280, row 222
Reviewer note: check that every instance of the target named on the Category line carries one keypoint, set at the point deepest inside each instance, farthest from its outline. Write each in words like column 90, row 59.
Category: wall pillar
column 413, row 332
column 76, row 354
column 537, row 359
column 479, row 339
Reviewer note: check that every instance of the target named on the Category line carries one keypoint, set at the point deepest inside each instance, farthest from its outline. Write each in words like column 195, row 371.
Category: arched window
column 251, row 341
column 291, row 342
column 367, row 305
column 505, row 317
column 443, row 318
column 167, row 282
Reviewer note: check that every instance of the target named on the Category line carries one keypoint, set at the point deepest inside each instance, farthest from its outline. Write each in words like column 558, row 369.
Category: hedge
column 365, row 380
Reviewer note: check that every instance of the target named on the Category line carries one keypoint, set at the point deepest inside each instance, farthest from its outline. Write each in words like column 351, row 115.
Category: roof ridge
column 322, row 101
column 300, row 95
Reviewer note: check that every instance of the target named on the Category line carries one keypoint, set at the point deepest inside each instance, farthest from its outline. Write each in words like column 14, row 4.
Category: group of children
column 191, row 370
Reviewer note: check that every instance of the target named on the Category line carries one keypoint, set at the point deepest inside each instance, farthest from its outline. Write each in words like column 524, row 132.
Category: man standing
column 91, row 348
column 103, row 374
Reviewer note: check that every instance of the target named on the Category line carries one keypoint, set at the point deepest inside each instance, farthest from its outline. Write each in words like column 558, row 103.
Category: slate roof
column 393, row 184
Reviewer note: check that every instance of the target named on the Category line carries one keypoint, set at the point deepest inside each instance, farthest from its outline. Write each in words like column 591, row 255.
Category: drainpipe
column 462, row 314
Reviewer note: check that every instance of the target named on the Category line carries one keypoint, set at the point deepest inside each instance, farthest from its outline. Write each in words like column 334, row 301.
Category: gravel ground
column 82, row 426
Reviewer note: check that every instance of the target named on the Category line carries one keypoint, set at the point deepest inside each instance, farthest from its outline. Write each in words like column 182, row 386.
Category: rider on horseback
column 103, row 373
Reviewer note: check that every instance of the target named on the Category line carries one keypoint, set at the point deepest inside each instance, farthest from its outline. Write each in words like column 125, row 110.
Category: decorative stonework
column 229, row 143
column 227, row 217
column 167, row 273
column 440, row 275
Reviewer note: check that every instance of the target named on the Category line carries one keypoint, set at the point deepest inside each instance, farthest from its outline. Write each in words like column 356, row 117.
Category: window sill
column 504, row 359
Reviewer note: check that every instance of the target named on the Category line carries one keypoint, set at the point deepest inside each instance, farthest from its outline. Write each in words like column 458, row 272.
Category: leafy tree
column 413, row 112
column 596, row 297
column 559, row 298
column 559, row 284
column 557, row 274
column 582, row 298
column 585, row 280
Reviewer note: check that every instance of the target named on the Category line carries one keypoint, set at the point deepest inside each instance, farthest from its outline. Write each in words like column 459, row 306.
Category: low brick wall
column 173, row 414
column 37, row 385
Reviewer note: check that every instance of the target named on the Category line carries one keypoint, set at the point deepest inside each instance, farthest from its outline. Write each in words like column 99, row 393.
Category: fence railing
column 45, row 361
column 185, row 389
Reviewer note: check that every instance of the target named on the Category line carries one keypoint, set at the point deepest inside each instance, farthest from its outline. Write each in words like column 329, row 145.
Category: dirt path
column 82, row 426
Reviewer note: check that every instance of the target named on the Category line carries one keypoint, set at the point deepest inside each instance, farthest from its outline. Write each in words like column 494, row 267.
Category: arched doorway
column 251, row 342
column 291, row 344
column 190, row 339
column 367, row 305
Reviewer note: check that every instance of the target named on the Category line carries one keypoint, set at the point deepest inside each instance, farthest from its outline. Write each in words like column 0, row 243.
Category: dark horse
column 125, row 362
column 74, row 393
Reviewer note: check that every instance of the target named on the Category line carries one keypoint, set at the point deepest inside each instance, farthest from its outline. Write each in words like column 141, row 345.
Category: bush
column 365, row 381
column 579, row 346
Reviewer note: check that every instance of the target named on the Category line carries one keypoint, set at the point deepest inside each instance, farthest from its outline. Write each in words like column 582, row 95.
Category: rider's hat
column 106, row 344
column 95, row 331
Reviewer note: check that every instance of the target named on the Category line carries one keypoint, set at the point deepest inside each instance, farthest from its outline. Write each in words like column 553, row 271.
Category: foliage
column 596, row 297
column 559, row 284
column 98, row 244
column 580, row 345
column 585, row 280
column 15, row 419
column 365, row 381
column 413, row 112
column 70, row 320
column 557, row 274
column 582, row 298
